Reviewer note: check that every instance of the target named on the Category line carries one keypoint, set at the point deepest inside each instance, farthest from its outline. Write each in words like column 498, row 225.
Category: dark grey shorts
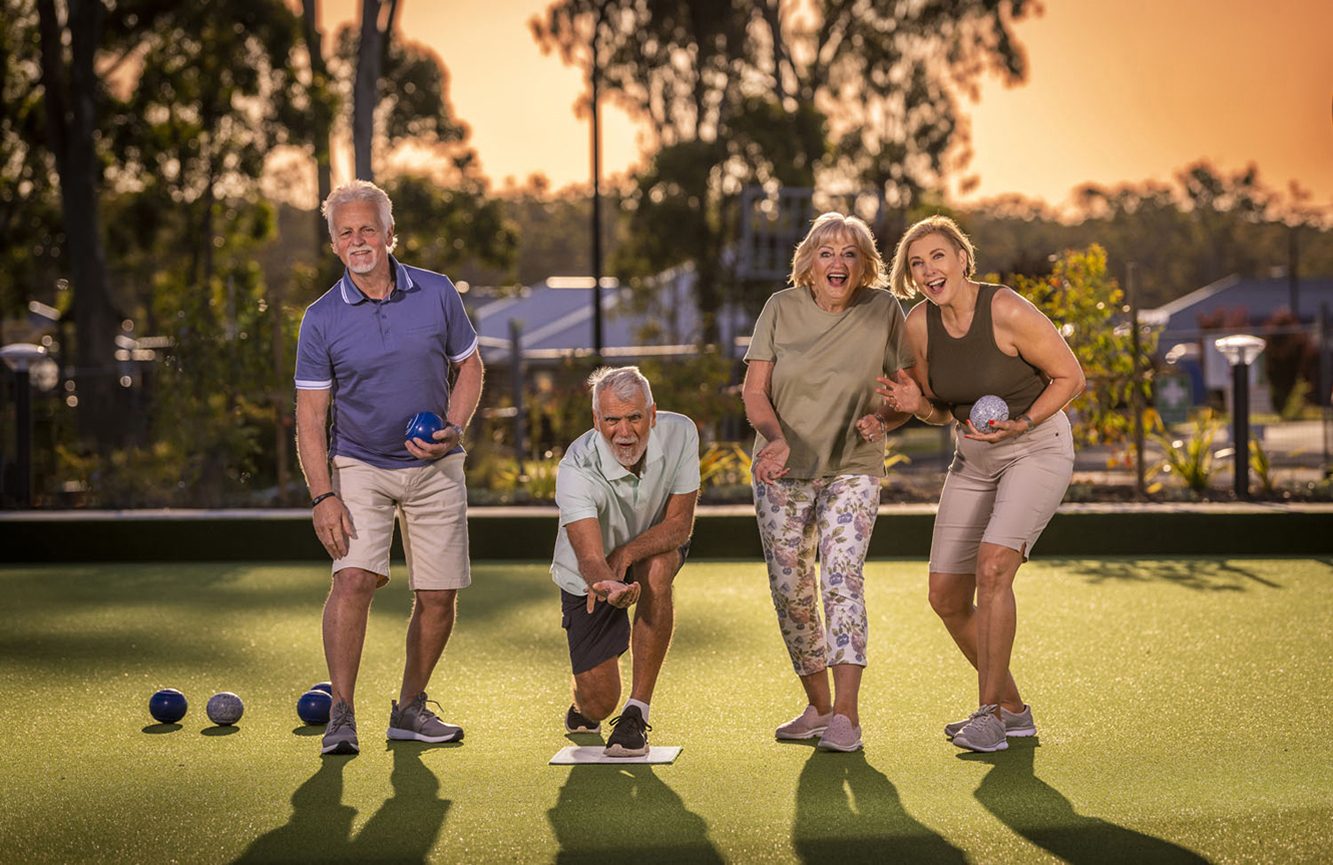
column 596, row 637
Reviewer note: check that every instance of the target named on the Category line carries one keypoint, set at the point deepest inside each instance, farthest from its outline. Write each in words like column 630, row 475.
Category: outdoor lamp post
column 1240, row 350
column 19, row 357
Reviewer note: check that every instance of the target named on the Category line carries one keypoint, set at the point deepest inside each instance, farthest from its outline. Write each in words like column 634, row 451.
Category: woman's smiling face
column 839, row 269
column 938, row 268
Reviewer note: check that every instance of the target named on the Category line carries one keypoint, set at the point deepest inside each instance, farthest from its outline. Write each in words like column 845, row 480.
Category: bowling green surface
column 1182, row 707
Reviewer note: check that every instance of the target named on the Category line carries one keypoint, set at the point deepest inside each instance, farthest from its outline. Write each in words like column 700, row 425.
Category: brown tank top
column 966, row 368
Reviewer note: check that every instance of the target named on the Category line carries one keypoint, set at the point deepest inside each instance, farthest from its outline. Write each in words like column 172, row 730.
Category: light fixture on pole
column 1240, row 350
column 20, row 357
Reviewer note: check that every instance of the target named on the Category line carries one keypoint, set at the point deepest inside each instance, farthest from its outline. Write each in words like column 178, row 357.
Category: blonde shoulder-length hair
column 831, row 226
column 900, row 275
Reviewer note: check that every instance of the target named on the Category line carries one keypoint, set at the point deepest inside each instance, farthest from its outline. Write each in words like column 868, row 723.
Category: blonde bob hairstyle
column 900, row 276
column 828, row 227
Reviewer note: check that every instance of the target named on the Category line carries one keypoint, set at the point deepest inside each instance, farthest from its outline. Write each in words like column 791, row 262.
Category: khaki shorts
column 1003, row 494
column 430, row 503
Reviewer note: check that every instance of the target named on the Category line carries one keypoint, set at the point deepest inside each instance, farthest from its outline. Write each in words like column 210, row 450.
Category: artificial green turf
column 1182, row 705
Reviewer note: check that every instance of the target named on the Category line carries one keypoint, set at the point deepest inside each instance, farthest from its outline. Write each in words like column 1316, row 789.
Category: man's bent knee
column 657, row 573
column 597, row 691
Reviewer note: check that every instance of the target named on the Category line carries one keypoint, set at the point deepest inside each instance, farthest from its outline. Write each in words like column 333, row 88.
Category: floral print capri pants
column 835, row 515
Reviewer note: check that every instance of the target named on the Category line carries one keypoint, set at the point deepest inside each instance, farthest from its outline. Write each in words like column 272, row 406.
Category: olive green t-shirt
column 824, row 368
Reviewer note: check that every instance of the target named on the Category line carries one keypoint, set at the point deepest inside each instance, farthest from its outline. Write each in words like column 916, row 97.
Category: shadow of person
column 848, row 812
column 405, row 827
column 1040, row 813
column 320, row 825
column 608, row 814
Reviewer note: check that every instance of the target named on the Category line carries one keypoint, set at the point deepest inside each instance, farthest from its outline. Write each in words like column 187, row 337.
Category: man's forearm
column 312, row 451
column 667, row 535
column 466, row 392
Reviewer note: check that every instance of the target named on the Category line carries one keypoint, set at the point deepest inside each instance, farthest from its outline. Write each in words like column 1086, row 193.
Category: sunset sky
column 1117, row 90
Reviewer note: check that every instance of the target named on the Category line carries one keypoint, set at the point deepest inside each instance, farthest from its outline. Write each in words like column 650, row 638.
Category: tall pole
column 23, row 436
column 1240, row 405
column 1136, row 395
column 596, row 190
column 516, row 384
column 1325, row 375
column 1293, row 270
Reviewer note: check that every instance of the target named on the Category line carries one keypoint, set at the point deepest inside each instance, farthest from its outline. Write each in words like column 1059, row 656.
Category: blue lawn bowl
column 168, row 706
column 326, row 687
column 423, row 425
column 313, row 707
column 987, row 410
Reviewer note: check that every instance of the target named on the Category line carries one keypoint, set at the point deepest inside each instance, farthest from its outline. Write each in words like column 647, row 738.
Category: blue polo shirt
column 384, row 360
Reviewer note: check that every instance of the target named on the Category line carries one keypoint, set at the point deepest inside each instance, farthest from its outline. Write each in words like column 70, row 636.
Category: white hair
column 623, row 381
column 360, row 190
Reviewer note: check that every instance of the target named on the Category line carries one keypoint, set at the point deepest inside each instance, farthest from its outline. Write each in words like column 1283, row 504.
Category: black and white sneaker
column 576, row 723
column 629, row 734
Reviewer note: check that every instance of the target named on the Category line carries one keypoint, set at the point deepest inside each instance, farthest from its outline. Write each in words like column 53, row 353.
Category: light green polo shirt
column 591, row 483
column 824, row 368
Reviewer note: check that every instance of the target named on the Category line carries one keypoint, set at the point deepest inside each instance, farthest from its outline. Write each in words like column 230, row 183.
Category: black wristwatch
column 321, row 497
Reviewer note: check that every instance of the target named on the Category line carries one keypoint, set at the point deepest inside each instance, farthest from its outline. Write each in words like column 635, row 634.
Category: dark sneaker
column 576, row 723
column 340, row 734
column 984, row 732
column 415, row 723
column 1015, row 723
column 629, row 734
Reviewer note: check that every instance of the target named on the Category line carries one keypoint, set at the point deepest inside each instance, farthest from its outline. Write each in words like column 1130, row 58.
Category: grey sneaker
column 840, row 735
column 577, row 723
column 414, row 722
column 340, row 734
column 807, row 725
column 984, row 732
column 1015, row 723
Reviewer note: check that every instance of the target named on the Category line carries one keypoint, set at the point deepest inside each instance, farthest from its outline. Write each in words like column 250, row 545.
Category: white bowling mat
column 576, row 755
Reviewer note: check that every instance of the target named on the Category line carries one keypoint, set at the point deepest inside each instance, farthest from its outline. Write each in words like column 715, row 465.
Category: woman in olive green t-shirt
column 819, row 456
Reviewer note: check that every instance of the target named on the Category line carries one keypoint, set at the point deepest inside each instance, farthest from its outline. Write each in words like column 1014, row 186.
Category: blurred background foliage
column 146, row 148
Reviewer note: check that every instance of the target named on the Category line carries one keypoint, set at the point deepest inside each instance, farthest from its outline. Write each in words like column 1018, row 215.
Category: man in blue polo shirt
column 626, row 491
column 379, row 347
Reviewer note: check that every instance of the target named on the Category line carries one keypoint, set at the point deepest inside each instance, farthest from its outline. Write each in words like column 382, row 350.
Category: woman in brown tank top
column 1005, row 481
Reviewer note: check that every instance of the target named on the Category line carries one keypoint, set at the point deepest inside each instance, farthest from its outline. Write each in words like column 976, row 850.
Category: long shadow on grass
column 626, row 814
column 1203, row 575
column 848, row 812
column 403, row 830
column 1040, row 813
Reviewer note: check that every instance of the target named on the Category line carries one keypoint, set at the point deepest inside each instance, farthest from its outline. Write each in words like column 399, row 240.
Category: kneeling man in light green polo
column 626, row 490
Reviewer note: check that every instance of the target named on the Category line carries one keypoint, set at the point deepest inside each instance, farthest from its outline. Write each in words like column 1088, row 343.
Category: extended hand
column 901, row 393
column 614, row 592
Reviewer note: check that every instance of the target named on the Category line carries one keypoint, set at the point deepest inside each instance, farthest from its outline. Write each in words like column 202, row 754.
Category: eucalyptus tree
column 850, row 95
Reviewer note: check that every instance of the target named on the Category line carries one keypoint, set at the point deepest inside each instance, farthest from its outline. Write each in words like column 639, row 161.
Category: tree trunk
column 71, row 123
column 319, row 78
column 369, row 63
